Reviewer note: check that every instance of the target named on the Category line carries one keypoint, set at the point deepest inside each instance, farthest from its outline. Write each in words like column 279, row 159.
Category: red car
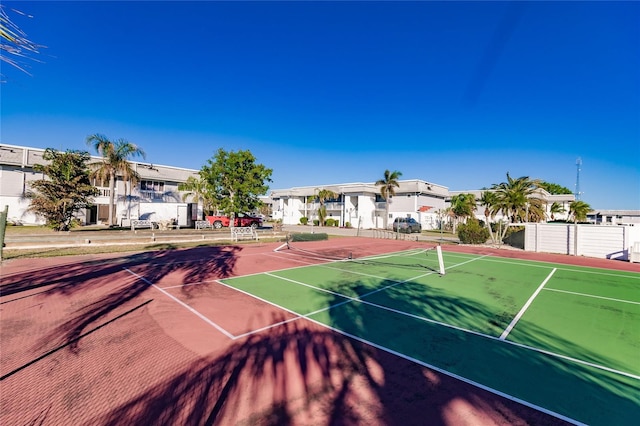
column 241, row 220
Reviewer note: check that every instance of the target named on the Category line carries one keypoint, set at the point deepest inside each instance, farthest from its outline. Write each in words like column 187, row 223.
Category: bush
column 472, row 232
column 309, row 237
column 316, row 222
column 304, row 220
column 330, row 222
column 347, row 225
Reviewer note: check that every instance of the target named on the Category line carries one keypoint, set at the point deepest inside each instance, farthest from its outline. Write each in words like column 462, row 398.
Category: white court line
column 414, row 360
column 515, row 320
column 359, row 298
column 349, row 299
column 487, row 336
column 198, row 314
column 594, row 296
column 453, row 375
column 546, row 265
column 189, row 284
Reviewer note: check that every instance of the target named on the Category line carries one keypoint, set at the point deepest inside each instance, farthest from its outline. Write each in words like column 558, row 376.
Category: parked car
column 242, row 220
column 406, row 224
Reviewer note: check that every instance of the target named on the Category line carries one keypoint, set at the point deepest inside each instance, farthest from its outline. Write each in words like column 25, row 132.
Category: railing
column 312, row 207
column 152, row 195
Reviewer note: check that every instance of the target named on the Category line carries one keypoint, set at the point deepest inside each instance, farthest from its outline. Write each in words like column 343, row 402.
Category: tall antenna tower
column 578, row 167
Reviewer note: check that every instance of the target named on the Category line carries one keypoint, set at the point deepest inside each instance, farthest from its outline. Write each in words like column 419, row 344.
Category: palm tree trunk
column 112, row 195
column 386, row 214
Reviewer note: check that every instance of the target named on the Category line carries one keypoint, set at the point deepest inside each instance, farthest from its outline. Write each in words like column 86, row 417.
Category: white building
column 155, row 197
column 614, row 217
column 360, row 204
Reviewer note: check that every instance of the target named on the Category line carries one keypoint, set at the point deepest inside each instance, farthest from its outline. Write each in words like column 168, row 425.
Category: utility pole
column 578, row 194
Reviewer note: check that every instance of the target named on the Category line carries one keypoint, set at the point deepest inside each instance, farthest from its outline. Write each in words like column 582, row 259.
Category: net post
column 440, row 260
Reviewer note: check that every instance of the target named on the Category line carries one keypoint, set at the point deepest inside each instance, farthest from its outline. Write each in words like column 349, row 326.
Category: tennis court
column 345, row 331
column 564, row 339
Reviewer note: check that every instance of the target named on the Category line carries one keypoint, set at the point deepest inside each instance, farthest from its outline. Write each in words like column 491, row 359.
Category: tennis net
column 429, row 258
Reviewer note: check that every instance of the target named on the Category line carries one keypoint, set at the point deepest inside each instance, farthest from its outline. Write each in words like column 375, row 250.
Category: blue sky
column 454, row 93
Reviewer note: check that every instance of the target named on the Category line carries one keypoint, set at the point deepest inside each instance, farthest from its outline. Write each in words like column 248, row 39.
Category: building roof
column 406, row 186
column 23, row 156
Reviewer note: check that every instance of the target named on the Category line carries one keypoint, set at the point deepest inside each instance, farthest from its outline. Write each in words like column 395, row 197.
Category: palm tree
column 556, row 208
column 488, row 200
column 462, row 207
column 579, row 210
column 114, row 163
column 517, row 201
column 387, row 189
column 198, row 190
column 324, row 195
column 516, row 196
column 15, row 42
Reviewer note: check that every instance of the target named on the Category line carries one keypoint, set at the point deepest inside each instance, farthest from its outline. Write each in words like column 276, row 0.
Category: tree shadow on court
column 105, row 288
column 299, row 372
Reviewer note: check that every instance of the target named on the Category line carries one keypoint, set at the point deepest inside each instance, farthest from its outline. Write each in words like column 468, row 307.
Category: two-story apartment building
column 360, row 204
column 155, row 196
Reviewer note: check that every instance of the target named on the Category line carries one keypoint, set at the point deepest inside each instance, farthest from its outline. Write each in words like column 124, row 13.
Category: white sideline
column 175, row 299
column 507, row 330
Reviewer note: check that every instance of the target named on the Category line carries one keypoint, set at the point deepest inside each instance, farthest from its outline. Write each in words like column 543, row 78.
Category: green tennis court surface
column 563, row 339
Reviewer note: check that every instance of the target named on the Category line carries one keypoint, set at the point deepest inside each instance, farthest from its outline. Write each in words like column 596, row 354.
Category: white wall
column 610, row 242
column 18, row 211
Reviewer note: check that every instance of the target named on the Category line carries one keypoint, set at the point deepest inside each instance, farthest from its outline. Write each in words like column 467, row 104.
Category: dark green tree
column 554, row 188
column 235, row 181
column 66, row 189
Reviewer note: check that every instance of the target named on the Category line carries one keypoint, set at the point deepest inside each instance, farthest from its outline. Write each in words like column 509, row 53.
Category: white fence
column 610, row 242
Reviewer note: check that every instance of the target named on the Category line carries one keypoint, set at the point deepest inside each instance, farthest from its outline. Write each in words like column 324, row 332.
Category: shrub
column 309, row 237
column 304, row 220
column 330, row 222
column 347, row 225
column 472, row 232
column 316, row 222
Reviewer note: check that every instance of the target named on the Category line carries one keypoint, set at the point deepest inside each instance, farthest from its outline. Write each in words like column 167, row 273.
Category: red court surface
column 152, row 338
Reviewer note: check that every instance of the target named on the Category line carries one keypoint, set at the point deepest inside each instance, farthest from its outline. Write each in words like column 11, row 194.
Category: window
column 100, row 183
column 150, row 185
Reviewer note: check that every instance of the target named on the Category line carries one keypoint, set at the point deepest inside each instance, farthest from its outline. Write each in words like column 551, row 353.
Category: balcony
column 103, row 192
column 150, row 196
column 330, row 206
column 381, row 205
